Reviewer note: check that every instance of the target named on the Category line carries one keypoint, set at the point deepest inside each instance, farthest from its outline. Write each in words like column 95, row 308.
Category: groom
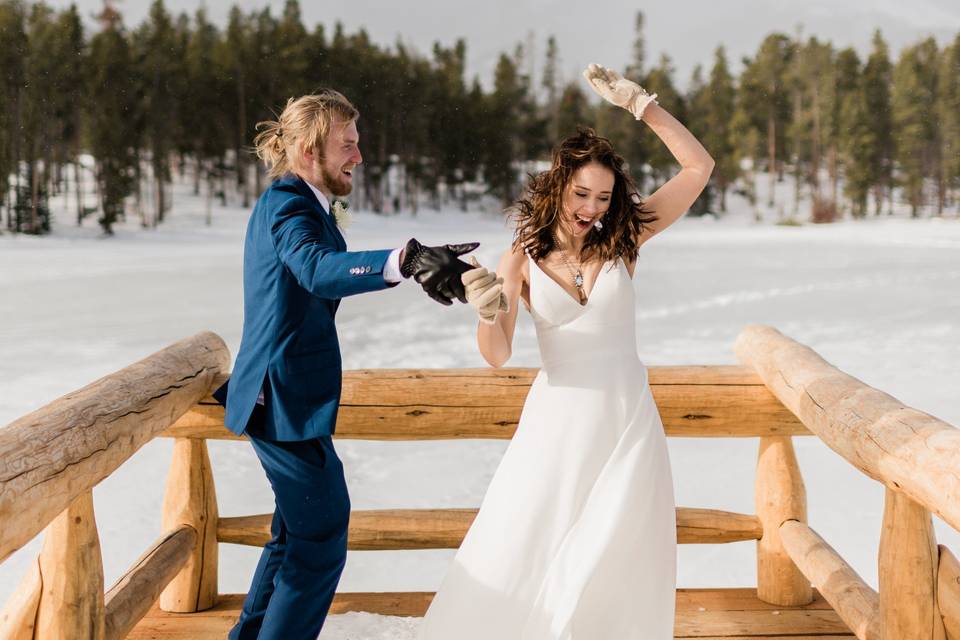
column 285, row 388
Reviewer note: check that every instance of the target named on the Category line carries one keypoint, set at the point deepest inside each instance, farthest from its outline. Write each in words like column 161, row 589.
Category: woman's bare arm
column 496, row 340
column 671, row 200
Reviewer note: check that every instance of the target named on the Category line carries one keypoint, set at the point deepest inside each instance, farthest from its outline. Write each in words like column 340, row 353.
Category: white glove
column 484, row 291
column 617, row 90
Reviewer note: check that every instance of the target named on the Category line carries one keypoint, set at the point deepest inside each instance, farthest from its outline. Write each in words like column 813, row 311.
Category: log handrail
column 51, row 456
column 396, row 529
column 905, row 449
column 421, row 404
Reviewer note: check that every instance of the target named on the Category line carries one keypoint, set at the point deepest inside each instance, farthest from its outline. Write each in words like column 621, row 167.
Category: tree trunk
column 771, row 154
column 34, row 196
column 79, row 188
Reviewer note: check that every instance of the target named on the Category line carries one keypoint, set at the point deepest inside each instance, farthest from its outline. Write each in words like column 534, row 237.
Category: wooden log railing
column 782, row 390
column 51, row 459
column 915, row 455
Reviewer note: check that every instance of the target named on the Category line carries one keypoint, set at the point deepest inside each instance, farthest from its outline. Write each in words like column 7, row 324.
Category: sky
column 602, row 30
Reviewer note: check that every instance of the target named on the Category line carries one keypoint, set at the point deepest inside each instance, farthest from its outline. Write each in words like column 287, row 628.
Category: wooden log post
column 948, row 592
column 191, row 499
column 908, row 572
column 780, row 496
column 18, row 618
column 71, row 570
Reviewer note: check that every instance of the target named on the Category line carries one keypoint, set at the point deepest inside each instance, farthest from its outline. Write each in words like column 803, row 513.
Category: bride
column 576, row 535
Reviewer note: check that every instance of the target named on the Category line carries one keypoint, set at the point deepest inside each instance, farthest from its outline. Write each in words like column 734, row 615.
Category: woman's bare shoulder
column 513, row 259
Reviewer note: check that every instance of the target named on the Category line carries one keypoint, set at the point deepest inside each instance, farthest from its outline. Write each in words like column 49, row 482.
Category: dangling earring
column 598, row 225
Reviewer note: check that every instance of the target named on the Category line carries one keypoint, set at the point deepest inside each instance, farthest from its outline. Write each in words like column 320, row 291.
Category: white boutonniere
column 341, row 215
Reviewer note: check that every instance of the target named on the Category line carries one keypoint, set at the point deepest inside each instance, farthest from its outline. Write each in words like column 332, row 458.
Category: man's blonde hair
column 303, row 125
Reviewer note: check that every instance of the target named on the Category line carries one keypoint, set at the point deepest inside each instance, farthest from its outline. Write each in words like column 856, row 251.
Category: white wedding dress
column 576, row 535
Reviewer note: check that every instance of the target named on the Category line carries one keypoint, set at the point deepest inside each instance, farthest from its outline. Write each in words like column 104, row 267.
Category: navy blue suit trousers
column 300, row 566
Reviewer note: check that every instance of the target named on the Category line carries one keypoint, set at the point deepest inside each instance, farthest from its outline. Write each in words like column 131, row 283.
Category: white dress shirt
column 391, row 270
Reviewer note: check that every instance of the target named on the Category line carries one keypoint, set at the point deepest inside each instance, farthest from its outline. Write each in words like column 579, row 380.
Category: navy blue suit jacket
column 296, row 268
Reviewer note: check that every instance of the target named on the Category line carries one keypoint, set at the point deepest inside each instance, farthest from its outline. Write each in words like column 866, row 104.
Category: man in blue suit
column 285, row 388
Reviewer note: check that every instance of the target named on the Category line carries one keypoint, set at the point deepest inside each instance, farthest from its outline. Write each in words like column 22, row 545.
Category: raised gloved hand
column 617, row 90
column 485, row 292
column 437, row 269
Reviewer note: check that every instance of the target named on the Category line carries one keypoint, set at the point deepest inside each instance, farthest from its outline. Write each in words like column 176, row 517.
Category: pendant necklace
column 577, row 275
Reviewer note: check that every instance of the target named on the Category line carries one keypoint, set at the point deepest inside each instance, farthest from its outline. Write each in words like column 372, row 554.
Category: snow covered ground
column 878, row 298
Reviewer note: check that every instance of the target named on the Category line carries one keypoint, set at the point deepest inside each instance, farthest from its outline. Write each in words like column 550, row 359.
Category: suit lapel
column 325, row 216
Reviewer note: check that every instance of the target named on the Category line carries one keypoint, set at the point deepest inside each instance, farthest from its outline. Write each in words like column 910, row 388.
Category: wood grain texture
column 50, row 456
column 948, row 592
column 18, row 619
column 706, row 614
column 131, row 597
column 71, row 570
column 908, row 572
column 432, row 404
column 907, row 450
column 857, row 604
column 779, row 495
column 396, row 529
column 190, row 499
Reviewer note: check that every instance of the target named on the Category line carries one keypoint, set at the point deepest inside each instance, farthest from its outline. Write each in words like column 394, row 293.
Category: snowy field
column 877, row 298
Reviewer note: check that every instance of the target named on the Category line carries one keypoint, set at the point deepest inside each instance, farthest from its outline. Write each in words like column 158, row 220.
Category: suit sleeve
column 308, row 251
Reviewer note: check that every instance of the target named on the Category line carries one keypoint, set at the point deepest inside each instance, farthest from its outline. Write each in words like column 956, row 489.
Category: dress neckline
column 566, row 293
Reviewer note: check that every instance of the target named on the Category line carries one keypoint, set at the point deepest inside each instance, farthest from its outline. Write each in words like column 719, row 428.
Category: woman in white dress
column 576, row 535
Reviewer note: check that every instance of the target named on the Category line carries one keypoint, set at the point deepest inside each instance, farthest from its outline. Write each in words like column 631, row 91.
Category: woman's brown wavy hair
column 536, row 213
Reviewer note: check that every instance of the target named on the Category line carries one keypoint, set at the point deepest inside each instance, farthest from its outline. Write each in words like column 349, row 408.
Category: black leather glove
column 437, row 269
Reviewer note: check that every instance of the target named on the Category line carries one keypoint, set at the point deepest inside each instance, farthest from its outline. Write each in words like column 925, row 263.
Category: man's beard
column 335, row 182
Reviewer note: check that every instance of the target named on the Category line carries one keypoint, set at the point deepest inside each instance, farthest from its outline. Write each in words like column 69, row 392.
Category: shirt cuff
column 391, row 270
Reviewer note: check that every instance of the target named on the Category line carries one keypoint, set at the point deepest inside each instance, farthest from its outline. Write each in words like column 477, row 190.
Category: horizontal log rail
column 51, row 456
column 907, row 450
column 396, row 529
column 434, row 404
column 857, row 604
column 134, row 593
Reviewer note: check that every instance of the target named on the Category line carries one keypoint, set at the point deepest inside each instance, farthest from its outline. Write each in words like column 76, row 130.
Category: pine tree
column 238, row 60
column 857, row 139
column 38, row 130
column 914, row 98
column 766, row 100
column 292, row 47
column 620, row 123
column 108, row 108
column 551, row 89
column 948, row 116
column 160, row 64
column 660, row 82
column 697, row 109
column 501, row 125
column 452, row 123
column 574, row 111
column 636, row 70
column 877, row 78
column 70, row 86
column 206, row 122
column 717, row 136
column 13, row 49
